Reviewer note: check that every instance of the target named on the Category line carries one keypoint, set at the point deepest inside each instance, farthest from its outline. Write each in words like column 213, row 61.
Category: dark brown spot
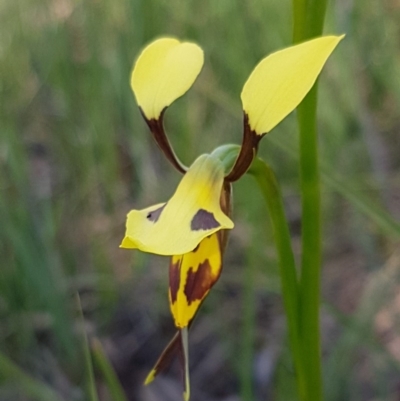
column 155, row 214
column 203, row 220
column 199, row 282
column 247, row 153
column 174, row 278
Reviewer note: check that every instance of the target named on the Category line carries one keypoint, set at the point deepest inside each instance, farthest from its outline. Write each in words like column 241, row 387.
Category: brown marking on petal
column 203, row 220
column 247, row 153
column 155, row 214
column 174, row 278
column 199, row 283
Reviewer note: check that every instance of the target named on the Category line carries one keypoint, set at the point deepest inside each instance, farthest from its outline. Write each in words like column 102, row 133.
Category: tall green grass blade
column 104, row 366
column 379, row 216
column 269, row 187
column 35, row 390
column 89, row 372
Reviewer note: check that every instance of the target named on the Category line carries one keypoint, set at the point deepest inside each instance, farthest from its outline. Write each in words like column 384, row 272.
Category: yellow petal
column 191, row 277
column 280, row 81
column 193, row 213
column 164, row 71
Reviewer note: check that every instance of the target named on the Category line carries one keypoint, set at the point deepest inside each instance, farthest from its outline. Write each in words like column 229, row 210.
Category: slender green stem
column 308, row 17
column 311, row 247
column 269, row 187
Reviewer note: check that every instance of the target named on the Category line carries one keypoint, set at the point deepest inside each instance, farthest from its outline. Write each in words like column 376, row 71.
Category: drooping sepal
column 192, row 214
column 280, row 82
column 165, row 359
column 179, row 345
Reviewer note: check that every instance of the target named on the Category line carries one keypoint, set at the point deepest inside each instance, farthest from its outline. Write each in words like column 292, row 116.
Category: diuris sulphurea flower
column 192, row 227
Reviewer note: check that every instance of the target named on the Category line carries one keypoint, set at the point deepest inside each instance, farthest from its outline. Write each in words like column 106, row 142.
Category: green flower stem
column 308, row 19
column 268, row 185
column 308, row 22
column 311, row 247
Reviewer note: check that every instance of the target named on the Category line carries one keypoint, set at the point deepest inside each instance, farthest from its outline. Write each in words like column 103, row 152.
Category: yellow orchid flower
column 192, row 226
column 192, row 214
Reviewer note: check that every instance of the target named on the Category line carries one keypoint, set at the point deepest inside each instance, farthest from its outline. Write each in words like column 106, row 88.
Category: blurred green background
column 76, row 156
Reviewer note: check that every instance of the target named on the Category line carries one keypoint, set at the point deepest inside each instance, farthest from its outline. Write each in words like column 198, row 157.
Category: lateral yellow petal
column 193, row 213
column 280, row 81
column 191, row 277
column 164, row 71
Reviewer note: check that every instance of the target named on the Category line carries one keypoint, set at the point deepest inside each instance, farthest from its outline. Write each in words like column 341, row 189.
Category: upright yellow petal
column 191, row 277
column 193, row 213
column 280, row 82
column 164, row 71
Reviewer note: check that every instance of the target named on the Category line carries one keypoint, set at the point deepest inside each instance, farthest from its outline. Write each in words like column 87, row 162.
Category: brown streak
column 199, row 283
column 247, row 153
column 174, row 278
column 157, row 129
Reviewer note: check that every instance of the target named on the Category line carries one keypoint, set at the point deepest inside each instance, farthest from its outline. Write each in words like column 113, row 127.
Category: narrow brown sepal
column 247, row 153
column 166, row 358
column 157, row 129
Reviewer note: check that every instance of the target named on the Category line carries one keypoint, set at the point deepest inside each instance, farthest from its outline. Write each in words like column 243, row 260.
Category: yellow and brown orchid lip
column 191, row 277
column 192, row 214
